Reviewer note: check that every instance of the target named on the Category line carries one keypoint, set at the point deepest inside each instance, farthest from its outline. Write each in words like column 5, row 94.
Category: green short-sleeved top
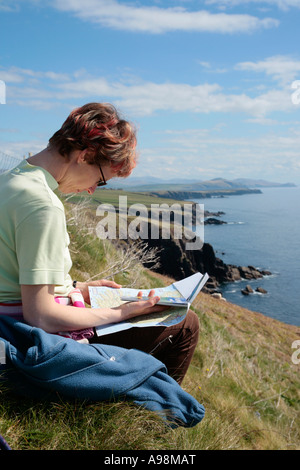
column 33, row 235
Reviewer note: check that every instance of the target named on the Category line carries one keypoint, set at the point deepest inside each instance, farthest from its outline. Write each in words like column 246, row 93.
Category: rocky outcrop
column 248, row 290
column 178, row 262
column 213, row 221
column 261, row 290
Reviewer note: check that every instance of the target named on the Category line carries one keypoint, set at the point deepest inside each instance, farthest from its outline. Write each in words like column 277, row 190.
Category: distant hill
column 216, row 184
column 253, row 183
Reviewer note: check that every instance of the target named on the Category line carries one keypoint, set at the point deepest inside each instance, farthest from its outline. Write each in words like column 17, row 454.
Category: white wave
column 235, row 223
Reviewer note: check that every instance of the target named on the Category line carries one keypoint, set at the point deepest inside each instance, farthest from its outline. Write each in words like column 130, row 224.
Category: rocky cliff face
column 178, row 262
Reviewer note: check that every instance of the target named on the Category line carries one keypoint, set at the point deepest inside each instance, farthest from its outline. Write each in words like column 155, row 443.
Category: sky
column 212, row 86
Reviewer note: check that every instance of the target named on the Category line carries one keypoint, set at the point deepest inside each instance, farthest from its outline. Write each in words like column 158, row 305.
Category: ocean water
column 262, row 230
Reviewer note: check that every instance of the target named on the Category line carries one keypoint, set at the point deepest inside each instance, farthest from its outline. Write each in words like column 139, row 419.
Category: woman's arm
column 84, row 287
column 41, row 310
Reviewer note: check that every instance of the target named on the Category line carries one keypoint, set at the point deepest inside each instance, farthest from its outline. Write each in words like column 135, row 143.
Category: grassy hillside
column 111, row 196
column 242, row 372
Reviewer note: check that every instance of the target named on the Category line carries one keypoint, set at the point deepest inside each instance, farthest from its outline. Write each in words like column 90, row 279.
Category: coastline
column 182, row 195
column 261, row 230
column 178, row 262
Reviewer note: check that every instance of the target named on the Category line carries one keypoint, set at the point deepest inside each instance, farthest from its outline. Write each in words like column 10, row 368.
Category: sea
column 262, row 230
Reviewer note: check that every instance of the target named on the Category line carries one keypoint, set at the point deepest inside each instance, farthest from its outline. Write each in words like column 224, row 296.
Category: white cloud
column 282, row 4
column 218, row 154
column 146, row 98
column 117, row 15
column 282, row 68
column 45, row 90
column 21, row 149
column 11, row 76
column 204, row 64
column 17, row 75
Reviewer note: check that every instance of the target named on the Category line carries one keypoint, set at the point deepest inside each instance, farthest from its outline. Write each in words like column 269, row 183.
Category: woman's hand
column 142, row 307
column 127, row 310
column 84, row 287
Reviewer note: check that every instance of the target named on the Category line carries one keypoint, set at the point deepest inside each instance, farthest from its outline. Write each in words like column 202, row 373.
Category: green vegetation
column 242, row 372
column 111, row 196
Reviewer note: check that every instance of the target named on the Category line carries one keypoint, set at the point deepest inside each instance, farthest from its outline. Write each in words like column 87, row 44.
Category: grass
column 66, row 425
column 242, row 372
column 111, row 196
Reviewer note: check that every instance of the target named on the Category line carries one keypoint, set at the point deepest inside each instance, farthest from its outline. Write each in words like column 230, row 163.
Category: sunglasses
column 101, row 182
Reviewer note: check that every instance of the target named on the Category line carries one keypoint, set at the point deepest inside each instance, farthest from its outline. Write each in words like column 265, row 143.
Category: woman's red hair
column 98, row 128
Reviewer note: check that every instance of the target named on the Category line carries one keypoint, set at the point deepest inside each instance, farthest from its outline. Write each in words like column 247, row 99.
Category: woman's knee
column 192, row 322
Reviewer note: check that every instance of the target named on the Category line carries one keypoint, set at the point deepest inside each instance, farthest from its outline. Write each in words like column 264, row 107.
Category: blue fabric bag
column 40, row 365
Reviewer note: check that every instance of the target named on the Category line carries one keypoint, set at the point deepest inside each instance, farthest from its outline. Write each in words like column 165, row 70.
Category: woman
column 93, row 145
